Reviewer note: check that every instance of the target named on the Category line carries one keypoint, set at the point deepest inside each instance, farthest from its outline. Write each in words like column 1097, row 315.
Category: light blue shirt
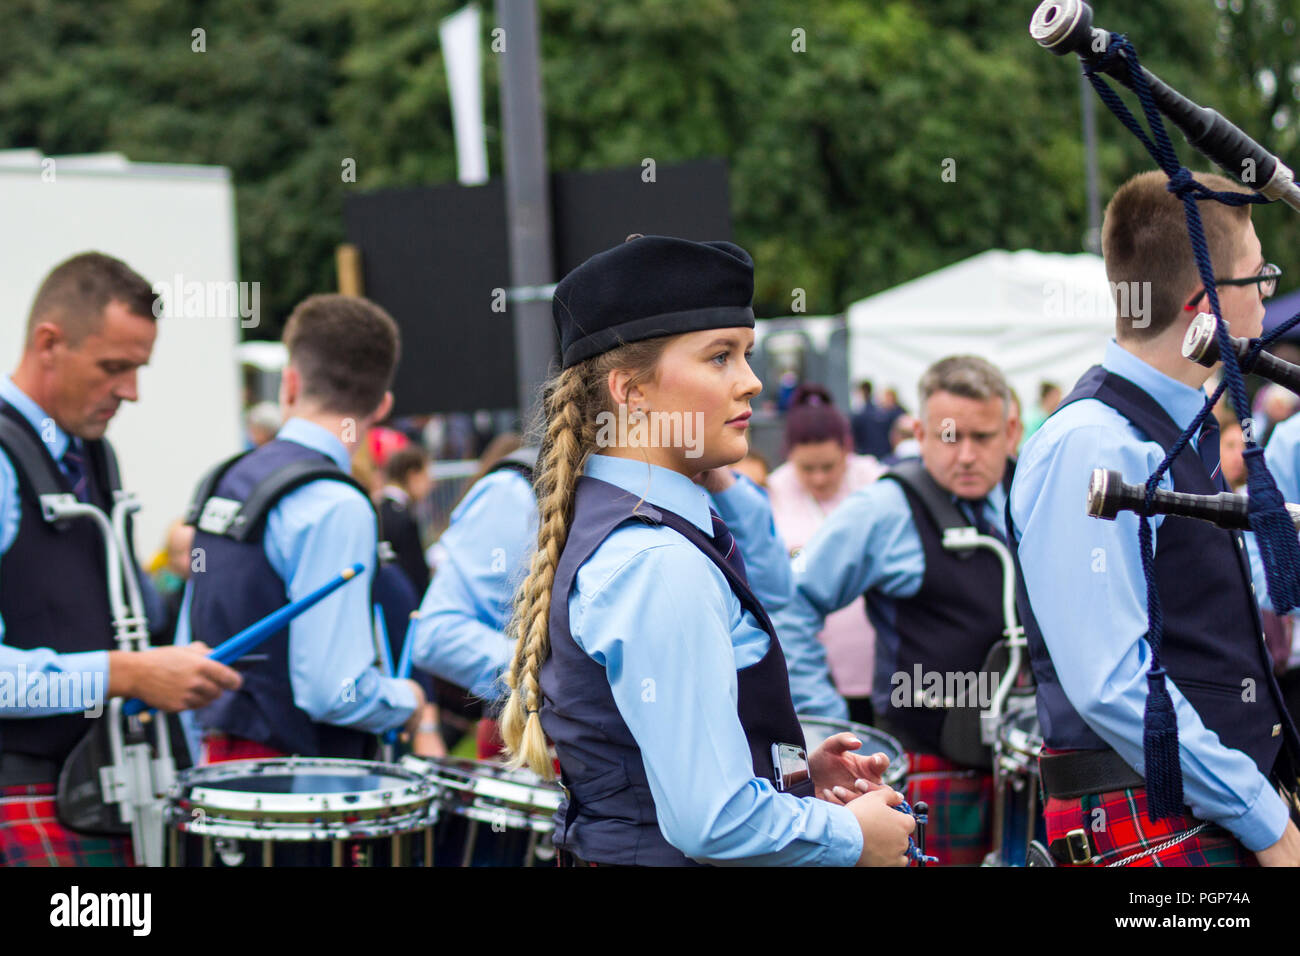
column 1282, row 456
column 1084, row 579
column 311, row 535
column 41, row 664
column 868, row 543
column 484, row 557
column 659, row 616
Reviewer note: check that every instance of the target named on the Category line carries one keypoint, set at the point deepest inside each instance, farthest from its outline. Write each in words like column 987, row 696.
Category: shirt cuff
column 846, row 836
column 1264, row 823
column 93, row 668
column 398, row 695
column 85, row 662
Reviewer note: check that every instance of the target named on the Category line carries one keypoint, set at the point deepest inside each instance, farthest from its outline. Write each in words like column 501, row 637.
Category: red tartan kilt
column 490, row 746
column 960, row 827
column 218, row 748
column 31, row 835
column 1118, row 827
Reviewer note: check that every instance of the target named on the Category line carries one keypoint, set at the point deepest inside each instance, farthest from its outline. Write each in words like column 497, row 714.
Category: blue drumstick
column 250, row 637
column 380, row 625
column 404, row 666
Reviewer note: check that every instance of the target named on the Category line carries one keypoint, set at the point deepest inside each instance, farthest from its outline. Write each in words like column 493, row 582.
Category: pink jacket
column 849, row 639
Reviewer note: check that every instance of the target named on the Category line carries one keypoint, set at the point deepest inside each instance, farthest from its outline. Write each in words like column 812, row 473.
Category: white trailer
column 165, row 221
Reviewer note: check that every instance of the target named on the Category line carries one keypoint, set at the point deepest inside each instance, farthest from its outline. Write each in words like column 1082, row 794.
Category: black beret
column 651, row 286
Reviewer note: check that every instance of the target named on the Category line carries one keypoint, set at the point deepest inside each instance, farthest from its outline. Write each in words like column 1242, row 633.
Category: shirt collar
column 317, row 438
column 55, row 438
column 995, row 499
column 1180, row 401
column 661, row 487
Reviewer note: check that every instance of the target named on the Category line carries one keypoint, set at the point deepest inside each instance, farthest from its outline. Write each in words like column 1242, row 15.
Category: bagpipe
column 1066, row 27
column 1109, row 494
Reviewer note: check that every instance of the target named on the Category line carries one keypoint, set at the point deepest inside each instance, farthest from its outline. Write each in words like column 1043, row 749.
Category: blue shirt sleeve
column 460, row 633
column 867, row 543
column 311, row 535
column 748, row 513
column 1282, row 455
column 40, row 682
column 1084, row 579
column 662, row 621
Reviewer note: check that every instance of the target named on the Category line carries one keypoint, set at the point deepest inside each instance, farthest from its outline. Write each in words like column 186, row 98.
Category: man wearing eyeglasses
column 1265, row 279
column 1083, row 595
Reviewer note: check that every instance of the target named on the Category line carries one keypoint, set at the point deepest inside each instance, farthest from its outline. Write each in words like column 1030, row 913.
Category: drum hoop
column 493, row 788
column 293, row 832
column 199, row 789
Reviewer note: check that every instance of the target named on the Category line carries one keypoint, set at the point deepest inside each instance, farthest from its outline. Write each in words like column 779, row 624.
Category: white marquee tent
column 1037, row 316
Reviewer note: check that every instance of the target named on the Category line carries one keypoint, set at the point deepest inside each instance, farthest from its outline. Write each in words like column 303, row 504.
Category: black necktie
column 1207, row 447
column 74, row 466
column 725, row 542
column 980, row 521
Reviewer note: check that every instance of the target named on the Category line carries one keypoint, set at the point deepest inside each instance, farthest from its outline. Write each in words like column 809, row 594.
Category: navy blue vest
column 609, row 814
column 1213, row 638
column 239, row 587
column 54, row 590
column 949, row 625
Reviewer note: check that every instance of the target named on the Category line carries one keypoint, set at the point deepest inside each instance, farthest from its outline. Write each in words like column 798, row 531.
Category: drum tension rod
column 921, row 811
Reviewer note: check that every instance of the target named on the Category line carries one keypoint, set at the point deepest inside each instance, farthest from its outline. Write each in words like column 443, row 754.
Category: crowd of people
column 652, row 620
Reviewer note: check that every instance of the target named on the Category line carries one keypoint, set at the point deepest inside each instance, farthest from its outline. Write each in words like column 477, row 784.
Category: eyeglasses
column 1266, row 278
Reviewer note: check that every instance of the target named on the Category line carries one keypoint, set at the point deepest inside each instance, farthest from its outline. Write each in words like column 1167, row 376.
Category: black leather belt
column 19, row 770
column 1082, row 772
column 564, row 858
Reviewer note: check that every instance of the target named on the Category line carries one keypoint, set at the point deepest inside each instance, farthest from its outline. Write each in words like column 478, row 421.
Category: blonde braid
column 571, row 404
column 563, row 453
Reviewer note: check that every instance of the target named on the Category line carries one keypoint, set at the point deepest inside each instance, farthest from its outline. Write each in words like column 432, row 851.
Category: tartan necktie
column 725, row 542
column 1207, row 447
column 74, row 467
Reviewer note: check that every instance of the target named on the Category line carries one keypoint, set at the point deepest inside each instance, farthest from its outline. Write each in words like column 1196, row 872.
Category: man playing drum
column 91, row 327
column 278, row 522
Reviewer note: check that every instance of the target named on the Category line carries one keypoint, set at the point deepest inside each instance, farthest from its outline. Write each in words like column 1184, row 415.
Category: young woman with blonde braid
column 641, row 651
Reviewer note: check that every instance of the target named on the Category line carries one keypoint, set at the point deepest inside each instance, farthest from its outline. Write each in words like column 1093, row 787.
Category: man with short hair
column 934, row 611
column 278, row 522
column 1084, row 595
column 91, row 326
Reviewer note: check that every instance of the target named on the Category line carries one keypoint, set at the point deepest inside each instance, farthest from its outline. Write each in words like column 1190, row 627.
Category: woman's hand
column 885, row 831
column 834, row 767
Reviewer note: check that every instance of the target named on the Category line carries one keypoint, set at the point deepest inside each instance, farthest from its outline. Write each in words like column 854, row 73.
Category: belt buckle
column 1078, row 838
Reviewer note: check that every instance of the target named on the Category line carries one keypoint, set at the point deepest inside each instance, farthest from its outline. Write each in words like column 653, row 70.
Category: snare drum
column 300, row 811
column 1019, row 744
column 817, row 729
column 490, row 815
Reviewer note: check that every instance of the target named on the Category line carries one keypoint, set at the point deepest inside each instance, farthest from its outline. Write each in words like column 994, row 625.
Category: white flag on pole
column 463, row 52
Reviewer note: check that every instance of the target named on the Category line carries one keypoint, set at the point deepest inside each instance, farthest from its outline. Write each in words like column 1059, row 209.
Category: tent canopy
column 1037, row 316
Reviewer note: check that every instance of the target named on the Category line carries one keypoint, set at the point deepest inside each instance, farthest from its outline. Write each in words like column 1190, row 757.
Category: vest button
column 1277, row 730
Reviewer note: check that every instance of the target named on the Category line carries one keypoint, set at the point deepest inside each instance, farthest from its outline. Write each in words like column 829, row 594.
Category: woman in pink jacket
column 820, row 471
